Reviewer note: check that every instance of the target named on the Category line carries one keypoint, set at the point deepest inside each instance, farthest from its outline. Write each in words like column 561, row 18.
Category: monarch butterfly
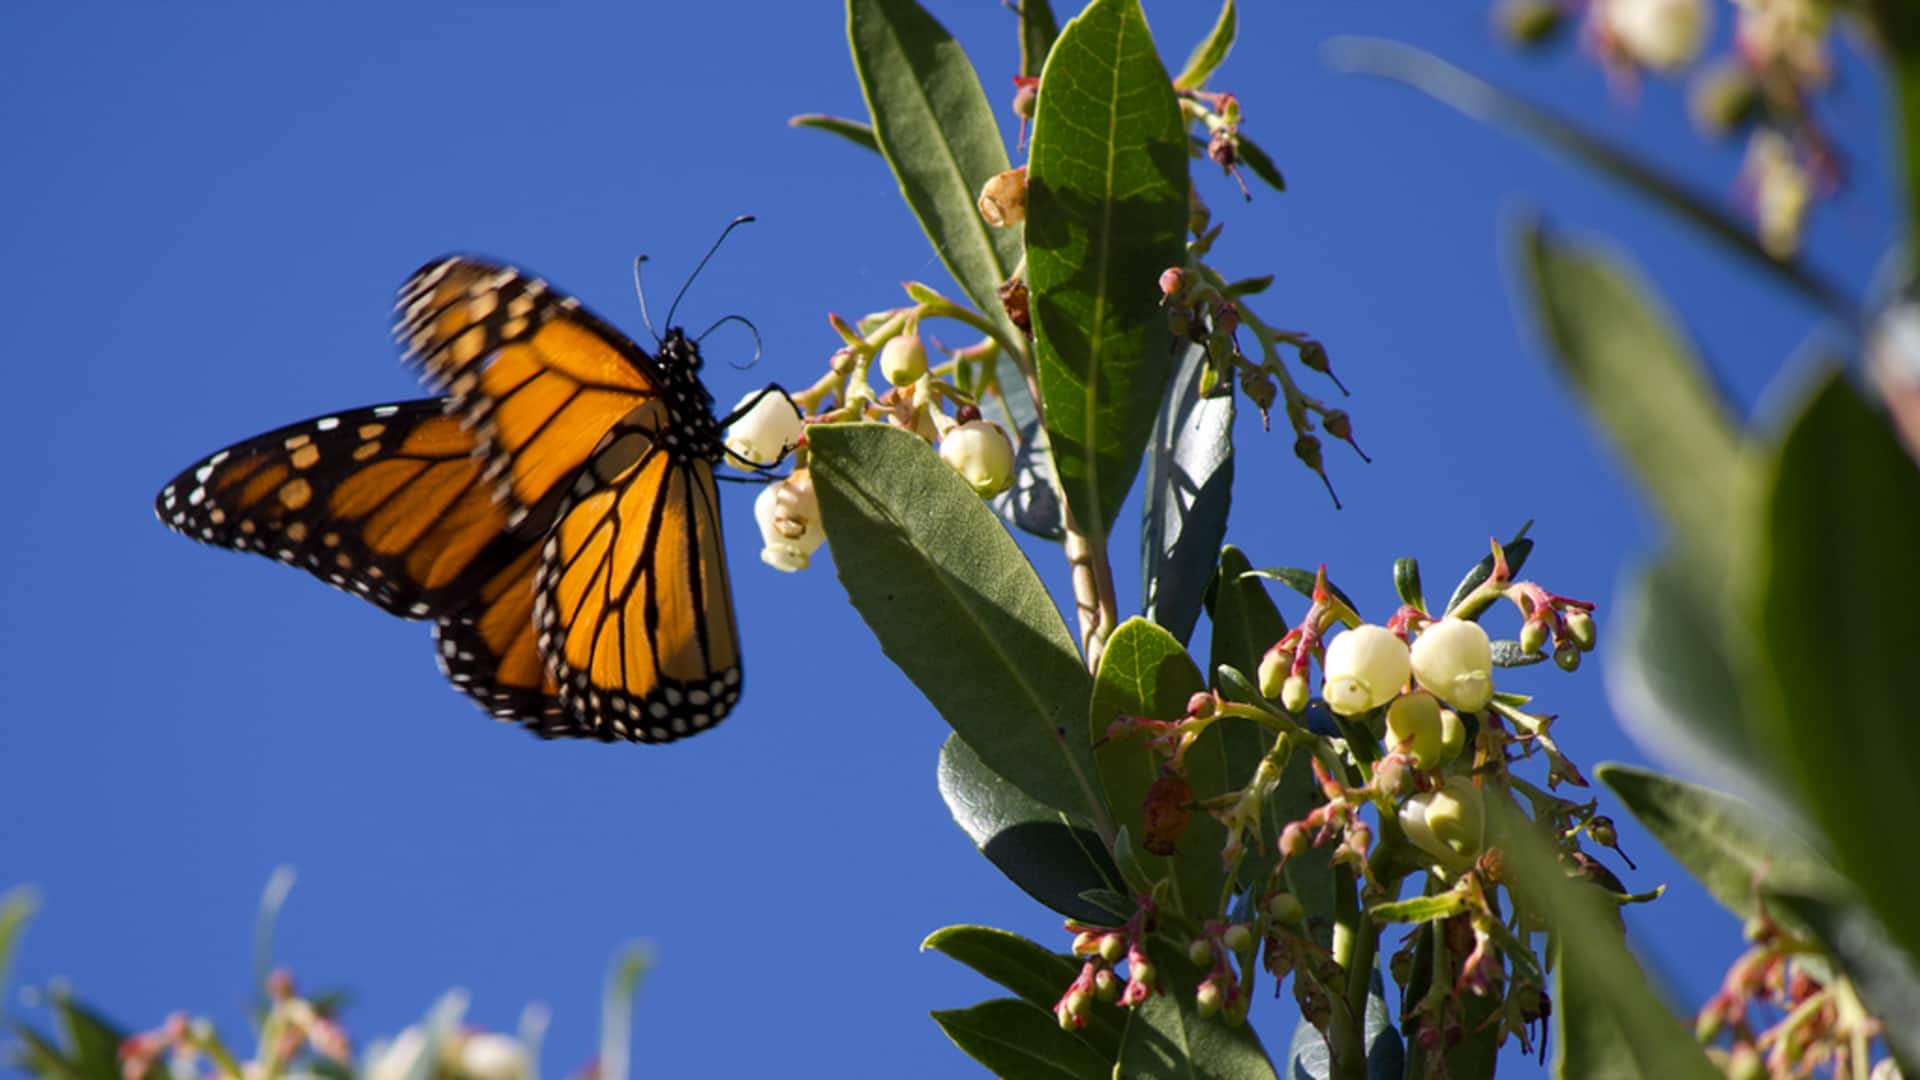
column 554, row 513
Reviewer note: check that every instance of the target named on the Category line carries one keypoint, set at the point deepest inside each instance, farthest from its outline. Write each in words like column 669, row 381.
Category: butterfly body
column 554, row 513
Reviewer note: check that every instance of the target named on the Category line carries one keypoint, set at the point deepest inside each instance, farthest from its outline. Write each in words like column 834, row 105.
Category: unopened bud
column 1113, row 947
column 1237, row 938
column 1567, row 656
column 1200, row 952
column 1723, row 98
column 1085, row 943
column 1025, row 97
column 1172, row 280
column 1206, row 1001
column 1275, row 665
column 1106, row 985
column 1533, row 636
column 1293, row 694
column 903, row 359
column 1286, row 909
column 1580, row 628
column 1294, row 840
column 1528, row 22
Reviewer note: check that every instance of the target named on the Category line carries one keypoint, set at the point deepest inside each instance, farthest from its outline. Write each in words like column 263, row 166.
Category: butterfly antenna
column 731, row 225
column 642, row 290
column 751, row 329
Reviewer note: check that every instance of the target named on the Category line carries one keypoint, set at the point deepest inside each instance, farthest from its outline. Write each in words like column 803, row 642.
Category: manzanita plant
column 1346, row 810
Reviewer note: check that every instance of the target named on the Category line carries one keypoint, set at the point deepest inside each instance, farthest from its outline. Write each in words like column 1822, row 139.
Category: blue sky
column 211, row 208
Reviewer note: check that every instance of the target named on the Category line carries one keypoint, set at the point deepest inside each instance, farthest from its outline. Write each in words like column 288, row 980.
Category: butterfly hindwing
column 488, row 653
column 387, row 502
column 632, row 603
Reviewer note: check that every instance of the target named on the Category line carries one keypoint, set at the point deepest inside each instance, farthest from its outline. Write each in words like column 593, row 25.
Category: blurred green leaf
column 1211, row 52
column 272, row 898
column 1516, row 551
column 1386, row 1053
column 92, row 1041
column 1418, row 909
column 1053, row 859
column 1898, row 23
column 1601, row 988
column 1490, row 105
column 1107, row 211
column 851, row 130
column 1726, row 844
column 1167, row 1040
column 937, row 131
column 958, row 607
column 630, row 966
column 1188, row 489
column 1836, row 618
column 17, row 905
column 1015, row 1039
column 1672, row 684
column 1649, row 391
column 38, row 1056
column 1145, row 672
column 1038, row 975
column 1038, row 29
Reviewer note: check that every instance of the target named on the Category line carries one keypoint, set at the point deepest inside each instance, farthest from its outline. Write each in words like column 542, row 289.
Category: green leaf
column 1600, row 986
column 38, row 1056
column 17, row 905
column 1018, row 1040
column 936, row 130
column 1053, row 859
column 1245, row 627
column 1386, row 1053
column 1145, row 672
column 1106, row 213
column 1640, row 378
column 1509, row 654
column 1725, row 843
column 1188, row 489
column 1038, row 29
column 1898, row 23
column 1300, row 581
column 1257, row 160
column 1490, row 105
column 853, row 131
column 1210, row 53
column 1516, row 551
column 1835, row 618
column 1167, row 1040
column 1406, row 582
column 1039, row 976
column 957, row 607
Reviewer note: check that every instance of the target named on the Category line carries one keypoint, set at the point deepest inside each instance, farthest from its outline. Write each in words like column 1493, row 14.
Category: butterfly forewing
column 385, row 501
column 537, row 377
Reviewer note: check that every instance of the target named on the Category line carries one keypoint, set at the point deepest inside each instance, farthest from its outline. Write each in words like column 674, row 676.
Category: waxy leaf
column 1516, row 551
column 1188, row 489
column 1168, row 1040
column 1386, row 1053
column 1038, row 975
column 957, row 607
column 1038, row 29
column 1106, row 214
column 1144, row 672
column 853, row 131
column 936, row 129
column 1054, row 858
column 1210, row 53
column 1015, row 1038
